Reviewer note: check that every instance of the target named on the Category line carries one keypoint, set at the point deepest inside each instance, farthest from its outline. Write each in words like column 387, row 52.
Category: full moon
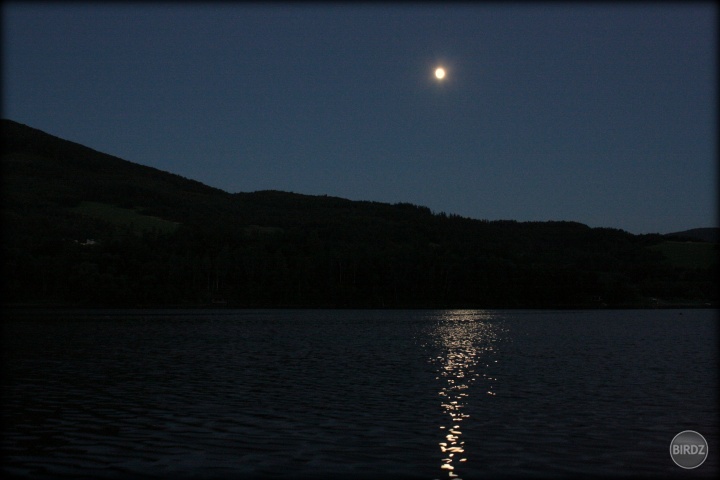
column 439, row 73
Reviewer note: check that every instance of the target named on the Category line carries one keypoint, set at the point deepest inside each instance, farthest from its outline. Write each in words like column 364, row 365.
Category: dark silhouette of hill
column 84, row 228
column 41, row 170
column 711, row 235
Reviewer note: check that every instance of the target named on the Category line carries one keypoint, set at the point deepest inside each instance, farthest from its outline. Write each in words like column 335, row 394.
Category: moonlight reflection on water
column 467, row 339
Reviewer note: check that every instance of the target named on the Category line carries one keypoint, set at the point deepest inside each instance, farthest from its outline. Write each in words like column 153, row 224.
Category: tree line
column 281, row 249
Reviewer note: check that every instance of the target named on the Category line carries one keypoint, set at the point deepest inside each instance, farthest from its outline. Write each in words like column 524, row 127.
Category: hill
column 711, row 235
column 84, row 228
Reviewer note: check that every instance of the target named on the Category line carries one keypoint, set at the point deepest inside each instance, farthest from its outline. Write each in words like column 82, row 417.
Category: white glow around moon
column 439, row 73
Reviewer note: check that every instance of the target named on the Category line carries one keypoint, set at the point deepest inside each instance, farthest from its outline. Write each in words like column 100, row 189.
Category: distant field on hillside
column 125, row 217
column 689, row 254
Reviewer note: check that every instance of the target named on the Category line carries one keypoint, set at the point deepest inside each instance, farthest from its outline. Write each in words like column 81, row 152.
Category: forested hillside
column 82, row 228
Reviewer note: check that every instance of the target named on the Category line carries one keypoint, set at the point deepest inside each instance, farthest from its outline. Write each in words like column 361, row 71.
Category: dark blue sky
column 603, row 114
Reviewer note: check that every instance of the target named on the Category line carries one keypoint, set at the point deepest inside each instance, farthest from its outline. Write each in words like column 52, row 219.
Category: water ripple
column 379, row 394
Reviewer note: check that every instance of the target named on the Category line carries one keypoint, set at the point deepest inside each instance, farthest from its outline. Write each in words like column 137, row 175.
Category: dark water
column 344, row 394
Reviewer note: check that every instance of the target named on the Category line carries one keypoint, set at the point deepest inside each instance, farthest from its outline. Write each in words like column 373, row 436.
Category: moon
column 439, row 73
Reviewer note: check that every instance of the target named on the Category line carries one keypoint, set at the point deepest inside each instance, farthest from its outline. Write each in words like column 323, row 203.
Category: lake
column 427, row 394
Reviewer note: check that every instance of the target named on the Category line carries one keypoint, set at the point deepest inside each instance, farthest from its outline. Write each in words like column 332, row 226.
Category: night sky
column 604, row 114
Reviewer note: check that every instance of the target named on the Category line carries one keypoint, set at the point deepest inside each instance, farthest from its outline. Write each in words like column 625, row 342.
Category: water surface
column 391, row 394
